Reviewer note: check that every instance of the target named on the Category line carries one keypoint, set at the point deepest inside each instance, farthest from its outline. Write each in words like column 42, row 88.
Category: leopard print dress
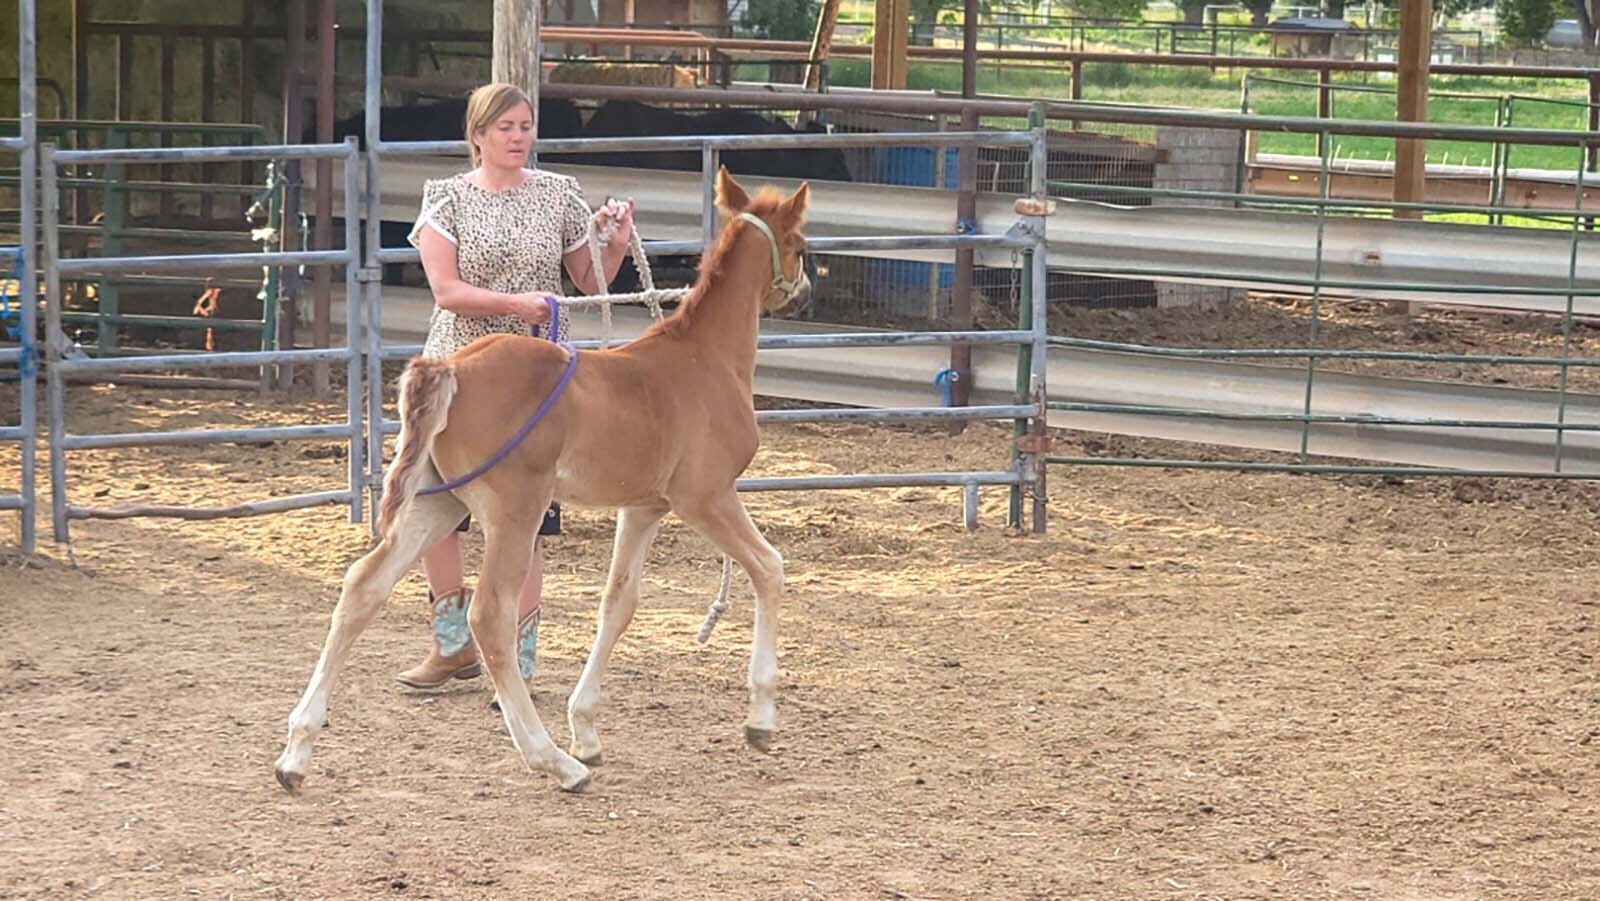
column 510, row 241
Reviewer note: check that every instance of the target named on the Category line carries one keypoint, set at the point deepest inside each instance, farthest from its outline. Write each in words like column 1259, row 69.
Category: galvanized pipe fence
column 24, row 264
column 1320, row 289
column 364, row 427
column 1027, row 470
column 62, row 361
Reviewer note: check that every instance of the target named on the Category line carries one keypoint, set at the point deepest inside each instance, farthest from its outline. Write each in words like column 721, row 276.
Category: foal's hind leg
column 367, row 584
column 493, row 618
column 636, row 528
column 722, row 519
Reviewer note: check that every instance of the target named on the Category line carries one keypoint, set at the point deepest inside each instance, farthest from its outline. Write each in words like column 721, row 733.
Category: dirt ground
column 1197, row 685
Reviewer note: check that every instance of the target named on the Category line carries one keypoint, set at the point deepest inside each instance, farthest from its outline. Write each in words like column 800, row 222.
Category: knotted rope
column 650, row 296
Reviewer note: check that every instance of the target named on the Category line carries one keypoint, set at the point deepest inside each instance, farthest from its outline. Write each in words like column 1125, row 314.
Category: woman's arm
column 451, row 293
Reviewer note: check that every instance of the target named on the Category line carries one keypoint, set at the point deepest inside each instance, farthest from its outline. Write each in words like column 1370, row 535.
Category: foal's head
column 783, row 218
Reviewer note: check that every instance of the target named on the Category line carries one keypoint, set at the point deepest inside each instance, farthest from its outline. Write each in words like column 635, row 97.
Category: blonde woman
column 493, row 242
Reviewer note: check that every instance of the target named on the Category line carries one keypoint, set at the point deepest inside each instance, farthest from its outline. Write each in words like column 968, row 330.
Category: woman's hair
column 487, row 104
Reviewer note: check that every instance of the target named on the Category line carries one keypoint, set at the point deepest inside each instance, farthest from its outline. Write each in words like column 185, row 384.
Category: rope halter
column 789, row 287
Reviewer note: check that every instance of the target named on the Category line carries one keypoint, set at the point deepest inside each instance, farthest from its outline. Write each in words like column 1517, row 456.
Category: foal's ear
column 792, row 212
column 731, row 198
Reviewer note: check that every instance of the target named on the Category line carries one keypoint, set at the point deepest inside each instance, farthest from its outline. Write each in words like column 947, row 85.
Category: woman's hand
column 533, row 307
column 614, row 222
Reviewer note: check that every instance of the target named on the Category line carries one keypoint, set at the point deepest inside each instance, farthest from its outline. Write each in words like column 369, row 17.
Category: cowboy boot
column 527, row 650
column 528, row 643
column 452, row 655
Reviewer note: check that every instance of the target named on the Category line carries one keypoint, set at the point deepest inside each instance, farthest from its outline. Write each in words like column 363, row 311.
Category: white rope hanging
column 652, row 297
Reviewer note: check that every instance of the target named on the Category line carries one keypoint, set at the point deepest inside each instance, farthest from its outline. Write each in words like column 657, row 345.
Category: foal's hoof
column 289, row 779
column 578, row 785
column 598, row 758
column 758, row 738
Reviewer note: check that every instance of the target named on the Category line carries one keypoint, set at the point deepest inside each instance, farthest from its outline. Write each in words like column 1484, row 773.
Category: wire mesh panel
column 865, row 290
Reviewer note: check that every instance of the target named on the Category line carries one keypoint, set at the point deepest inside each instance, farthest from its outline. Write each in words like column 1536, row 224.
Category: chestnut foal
column 664, row 423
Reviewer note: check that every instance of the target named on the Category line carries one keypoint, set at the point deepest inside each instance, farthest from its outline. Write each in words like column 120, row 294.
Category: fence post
column 1594, row 119
column 1040, row 309
column 354, row 324
column 28, row 288
column 1324, row 103
column 709, row 161
column 1028, row 436
column 55, row 380
column 371, row 284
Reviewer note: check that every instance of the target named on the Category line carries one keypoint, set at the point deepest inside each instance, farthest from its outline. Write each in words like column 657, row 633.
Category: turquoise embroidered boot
column 527, row 651
column 528, row 643
column 453, row 655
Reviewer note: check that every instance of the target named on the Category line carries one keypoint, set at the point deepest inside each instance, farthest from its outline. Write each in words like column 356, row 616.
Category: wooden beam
column 821, row 43
column 1416, row 43
column 890, row 30
column 322, row 309
column 289, row 281
column 630, row 16
column 516, row 47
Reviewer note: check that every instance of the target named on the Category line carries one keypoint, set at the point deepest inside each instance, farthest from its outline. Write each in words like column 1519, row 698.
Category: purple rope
column 527, row 427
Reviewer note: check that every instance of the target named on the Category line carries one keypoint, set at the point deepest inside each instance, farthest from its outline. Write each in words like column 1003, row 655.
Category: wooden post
column 966, row 213
column 1410, row 156
column 516, row 48
column 1324, row 102
column 889, row 35
column 629, row 16
column 289, row 223
column 1416, row 40
column 322, row 311
column 821, row 41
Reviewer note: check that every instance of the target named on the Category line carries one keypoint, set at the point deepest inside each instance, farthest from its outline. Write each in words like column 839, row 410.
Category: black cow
column 626, row 118
column 440, row 120
column 444, row 120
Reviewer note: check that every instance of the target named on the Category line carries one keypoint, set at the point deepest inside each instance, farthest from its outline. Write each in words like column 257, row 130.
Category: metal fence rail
column 1027, row 472
column 1567, row 422
column 1538, row 438
column 352, row 429
column 25, row 356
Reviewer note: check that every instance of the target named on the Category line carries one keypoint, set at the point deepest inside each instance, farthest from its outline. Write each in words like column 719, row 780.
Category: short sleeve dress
column 510, row 241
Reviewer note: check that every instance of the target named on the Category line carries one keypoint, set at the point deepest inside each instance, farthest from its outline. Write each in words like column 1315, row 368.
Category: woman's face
column 507, row 140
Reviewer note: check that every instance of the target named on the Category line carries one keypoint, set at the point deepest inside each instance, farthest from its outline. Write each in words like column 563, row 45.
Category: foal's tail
column 426, row 390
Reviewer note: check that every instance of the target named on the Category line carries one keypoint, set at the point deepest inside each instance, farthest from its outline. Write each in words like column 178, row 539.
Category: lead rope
column 651, row 297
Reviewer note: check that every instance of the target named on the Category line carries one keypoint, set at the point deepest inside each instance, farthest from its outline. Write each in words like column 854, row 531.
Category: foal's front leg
column 367, row 584
column 493, row 619
column 723, row 519
column 636, row 528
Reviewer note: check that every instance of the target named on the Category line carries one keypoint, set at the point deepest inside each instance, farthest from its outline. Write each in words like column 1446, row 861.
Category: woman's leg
column 442, row 564
column 528, row 602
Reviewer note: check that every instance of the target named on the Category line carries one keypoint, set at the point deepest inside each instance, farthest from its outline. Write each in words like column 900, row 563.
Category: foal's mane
column 712, row 264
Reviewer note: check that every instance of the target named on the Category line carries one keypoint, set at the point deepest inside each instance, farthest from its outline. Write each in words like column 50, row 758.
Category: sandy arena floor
column 1198, row 685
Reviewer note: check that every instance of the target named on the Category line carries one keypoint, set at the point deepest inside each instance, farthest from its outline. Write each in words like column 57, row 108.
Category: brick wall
column 1194, row 159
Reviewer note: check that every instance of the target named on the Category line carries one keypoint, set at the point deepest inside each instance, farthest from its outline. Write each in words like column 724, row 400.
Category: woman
column 493, row 241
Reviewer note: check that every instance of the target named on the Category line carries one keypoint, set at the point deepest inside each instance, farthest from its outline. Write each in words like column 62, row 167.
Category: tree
column 781, row 20
column 1259, row 10
column 1525, row 22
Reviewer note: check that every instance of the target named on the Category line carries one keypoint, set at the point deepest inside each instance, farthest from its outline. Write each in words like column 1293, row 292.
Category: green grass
column 1540, row 107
